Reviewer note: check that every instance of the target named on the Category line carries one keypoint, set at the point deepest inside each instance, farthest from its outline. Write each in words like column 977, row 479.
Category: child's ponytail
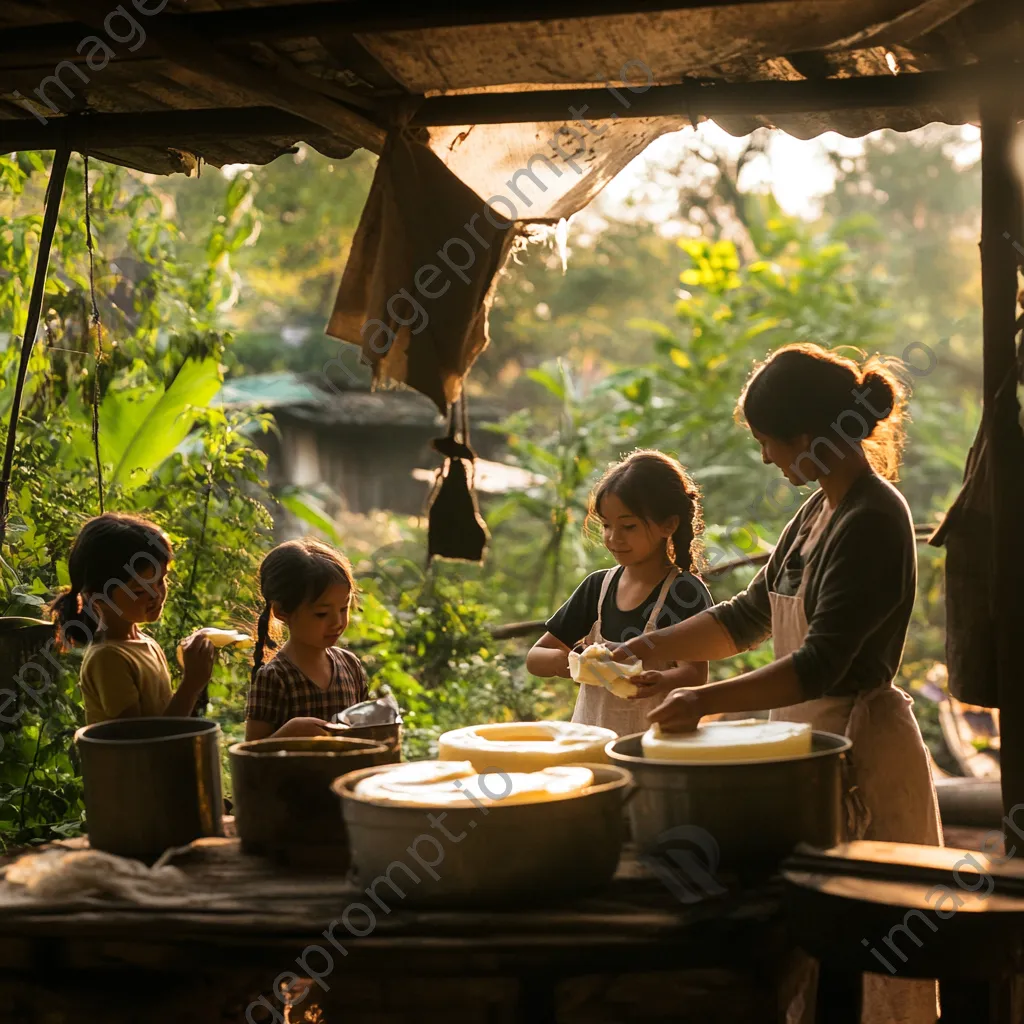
column 263, row 640
column 680, row 548
column 70, row 612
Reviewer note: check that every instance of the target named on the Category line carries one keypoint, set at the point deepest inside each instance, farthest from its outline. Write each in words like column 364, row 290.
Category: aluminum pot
column 487, row 855
column 751, row 813
column 284, row 808
column 150, row 783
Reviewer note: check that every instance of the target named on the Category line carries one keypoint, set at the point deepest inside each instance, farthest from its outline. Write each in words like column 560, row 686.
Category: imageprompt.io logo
column 685, row 859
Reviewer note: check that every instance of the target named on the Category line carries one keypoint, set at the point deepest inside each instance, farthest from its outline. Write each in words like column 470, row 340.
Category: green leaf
column 138, row 434
column 547, row 381
column 303, row 506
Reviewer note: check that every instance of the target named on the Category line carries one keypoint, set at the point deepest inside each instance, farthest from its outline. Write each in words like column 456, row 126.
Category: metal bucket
column 150, row 783
column 744, row 816
column 488, row 855
column 284, row 807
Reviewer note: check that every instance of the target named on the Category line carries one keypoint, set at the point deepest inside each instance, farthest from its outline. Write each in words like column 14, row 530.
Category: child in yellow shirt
column 118, row 569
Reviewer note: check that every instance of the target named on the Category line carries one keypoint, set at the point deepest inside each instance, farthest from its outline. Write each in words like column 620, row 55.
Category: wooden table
column 914, row 912
column 633, row 952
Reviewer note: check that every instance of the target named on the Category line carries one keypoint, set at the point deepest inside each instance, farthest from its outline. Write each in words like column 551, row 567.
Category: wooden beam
column 192, row 52
column 1001, row 227
column 164, row 129
column 343, row 17
column 716, row 99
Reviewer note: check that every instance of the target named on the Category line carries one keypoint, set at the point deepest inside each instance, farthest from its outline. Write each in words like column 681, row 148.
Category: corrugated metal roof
column 268, row 391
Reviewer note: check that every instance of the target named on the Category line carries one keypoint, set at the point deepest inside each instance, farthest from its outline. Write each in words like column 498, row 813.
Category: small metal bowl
column 377, row 720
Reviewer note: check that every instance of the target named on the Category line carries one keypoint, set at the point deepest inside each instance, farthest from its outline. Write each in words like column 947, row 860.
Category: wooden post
column 54, row 192
column 1000, row 229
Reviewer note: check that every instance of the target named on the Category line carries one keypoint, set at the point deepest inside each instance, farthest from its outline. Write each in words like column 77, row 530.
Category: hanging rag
column 455, row 528
column 421, row 273
column 966, row 532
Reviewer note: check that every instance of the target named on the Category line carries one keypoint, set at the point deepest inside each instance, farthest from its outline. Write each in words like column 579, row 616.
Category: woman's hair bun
column 878, row 395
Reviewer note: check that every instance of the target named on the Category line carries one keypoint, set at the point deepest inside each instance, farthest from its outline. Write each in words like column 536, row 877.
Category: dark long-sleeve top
column 861, row 584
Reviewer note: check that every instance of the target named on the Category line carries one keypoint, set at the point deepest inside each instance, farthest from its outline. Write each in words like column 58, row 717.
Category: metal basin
column 389, row 733
column 284, row 808
column 378, row 720
column 745, row 816
column 150, row 784
column 494, row 856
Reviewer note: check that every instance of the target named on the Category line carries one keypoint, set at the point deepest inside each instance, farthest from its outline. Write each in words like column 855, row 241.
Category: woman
column 835, row 597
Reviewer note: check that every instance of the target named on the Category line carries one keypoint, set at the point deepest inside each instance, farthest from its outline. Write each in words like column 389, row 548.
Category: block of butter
column 748, row 740
column 457, row 784
column 524, row 746
column 217, row 637
column 594, row 667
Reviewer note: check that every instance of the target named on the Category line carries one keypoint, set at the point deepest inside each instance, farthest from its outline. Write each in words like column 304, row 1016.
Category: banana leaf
column 141, row 428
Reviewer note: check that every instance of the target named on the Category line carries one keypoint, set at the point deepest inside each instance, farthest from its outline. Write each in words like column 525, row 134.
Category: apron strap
column 605, row 584
column 652, row 622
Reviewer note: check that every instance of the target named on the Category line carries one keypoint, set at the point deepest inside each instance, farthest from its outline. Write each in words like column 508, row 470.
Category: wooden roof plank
column 340, row 17
column 713, row 99
column 194, row 53
column 166, row 129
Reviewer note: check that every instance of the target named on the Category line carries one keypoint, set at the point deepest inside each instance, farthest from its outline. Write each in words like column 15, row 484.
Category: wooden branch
column 192, row 52
column 717, row 99
column 165, row 129
column 54, row 193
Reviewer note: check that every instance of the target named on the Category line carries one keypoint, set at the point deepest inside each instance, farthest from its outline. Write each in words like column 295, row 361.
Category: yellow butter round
column 453, row 784
column 748, row 740
column 524, row 746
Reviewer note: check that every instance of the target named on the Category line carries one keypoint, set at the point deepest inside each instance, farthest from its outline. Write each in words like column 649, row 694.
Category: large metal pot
column 284, row 808
column 472, row 856
column 743, row 816
column 150, row 783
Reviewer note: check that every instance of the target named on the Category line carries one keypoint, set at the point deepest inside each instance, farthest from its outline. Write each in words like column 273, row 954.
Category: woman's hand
column 640, row 648
column 680, row 711
column 296, row 727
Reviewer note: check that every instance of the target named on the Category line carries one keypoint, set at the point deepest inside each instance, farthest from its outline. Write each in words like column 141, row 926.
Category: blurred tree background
column 642, row 338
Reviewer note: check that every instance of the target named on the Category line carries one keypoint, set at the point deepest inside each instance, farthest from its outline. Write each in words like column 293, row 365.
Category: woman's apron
column 890, row 797
column 594, row 704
